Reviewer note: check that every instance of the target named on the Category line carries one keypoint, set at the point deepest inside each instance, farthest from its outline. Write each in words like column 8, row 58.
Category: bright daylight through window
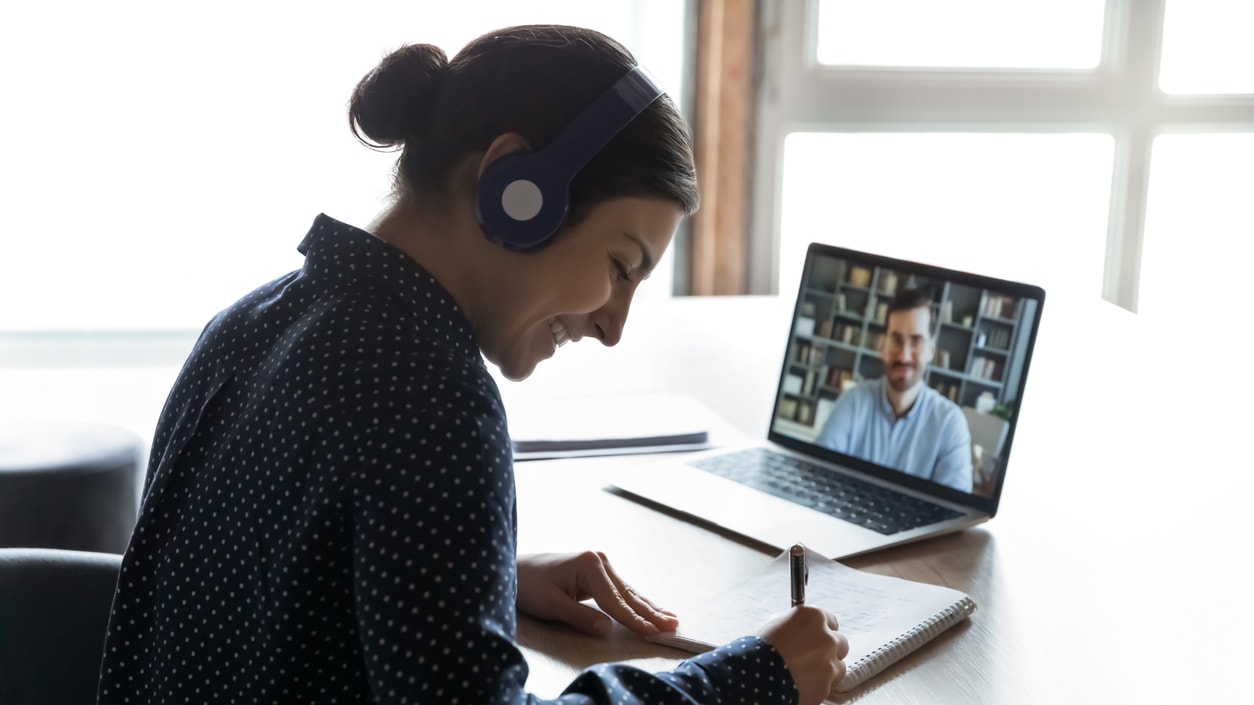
column 163, row 159
column 1089, row 147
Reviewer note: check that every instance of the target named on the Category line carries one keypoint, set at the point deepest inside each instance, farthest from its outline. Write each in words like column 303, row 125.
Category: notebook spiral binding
column 895, row 650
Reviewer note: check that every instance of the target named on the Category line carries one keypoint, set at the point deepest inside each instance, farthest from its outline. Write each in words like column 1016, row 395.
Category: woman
column 329, row 507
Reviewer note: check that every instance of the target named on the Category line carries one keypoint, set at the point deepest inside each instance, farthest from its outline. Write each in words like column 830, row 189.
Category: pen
column 799, row 569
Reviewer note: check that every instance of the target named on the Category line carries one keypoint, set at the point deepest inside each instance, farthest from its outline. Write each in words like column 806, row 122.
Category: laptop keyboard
column 857, row 501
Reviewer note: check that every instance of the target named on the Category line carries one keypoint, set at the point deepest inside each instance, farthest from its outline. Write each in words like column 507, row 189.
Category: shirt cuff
column 747, row 670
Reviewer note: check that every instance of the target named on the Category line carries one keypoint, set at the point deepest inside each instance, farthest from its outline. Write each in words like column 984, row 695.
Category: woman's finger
column 561, row 607
column 662, row 618
column 621, row 603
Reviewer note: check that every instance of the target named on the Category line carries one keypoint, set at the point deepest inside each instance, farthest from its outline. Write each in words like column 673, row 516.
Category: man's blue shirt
column 931, row 441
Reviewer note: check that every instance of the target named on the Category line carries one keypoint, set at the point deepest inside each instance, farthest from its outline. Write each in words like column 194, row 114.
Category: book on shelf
column 888, row 282
column 995, row 338
column 860, row 277
column 836, row 378
column 825, row 328
column 998, row 338
column 949, row 390
column 885, row 618
column 792, row 383
column 985, row 368
column 998, row 306
column 805, row 326
column 847, row 333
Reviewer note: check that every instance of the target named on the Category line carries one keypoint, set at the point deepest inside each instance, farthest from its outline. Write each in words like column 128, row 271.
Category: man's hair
column 909, row 299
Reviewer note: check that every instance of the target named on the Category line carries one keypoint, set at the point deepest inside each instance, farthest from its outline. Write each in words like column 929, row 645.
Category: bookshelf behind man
column 844, row 316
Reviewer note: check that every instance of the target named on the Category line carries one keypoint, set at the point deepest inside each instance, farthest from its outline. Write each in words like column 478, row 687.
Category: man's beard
column 904, row 383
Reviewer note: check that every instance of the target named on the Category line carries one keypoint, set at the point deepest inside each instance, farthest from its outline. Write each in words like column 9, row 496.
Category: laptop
column 894, row 414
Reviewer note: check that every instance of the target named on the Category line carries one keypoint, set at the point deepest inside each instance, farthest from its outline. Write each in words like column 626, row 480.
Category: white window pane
column 1199, row 237
column 162, row 159
column 1207, row 47
column 1063, row 34
column 1030, row 207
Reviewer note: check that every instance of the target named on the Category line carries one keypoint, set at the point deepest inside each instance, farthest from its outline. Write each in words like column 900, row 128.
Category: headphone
column 524, row 198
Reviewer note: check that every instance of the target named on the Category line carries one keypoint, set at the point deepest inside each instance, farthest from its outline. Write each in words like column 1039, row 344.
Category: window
column 162, row 159
column 956, row 33
column 1199, row 236
column 1081, row 145
column 1026, row 206
column 1206, row 47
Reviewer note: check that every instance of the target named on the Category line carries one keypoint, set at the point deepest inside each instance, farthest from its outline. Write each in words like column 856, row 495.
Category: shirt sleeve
column 953, row 461
column 838, row 428
column 747, row 671
column 435, row 581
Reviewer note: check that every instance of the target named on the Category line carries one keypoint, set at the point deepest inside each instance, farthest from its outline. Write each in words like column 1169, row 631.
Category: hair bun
column 392, row 103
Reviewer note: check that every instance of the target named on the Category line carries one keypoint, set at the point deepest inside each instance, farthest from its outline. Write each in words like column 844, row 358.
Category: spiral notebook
column 885, row 618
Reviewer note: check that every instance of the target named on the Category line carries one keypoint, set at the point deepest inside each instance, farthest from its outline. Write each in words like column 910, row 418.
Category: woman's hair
column 532, row 80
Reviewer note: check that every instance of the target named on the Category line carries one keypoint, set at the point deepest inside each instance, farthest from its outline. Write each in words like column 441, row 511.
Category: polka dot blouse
column 329, row 513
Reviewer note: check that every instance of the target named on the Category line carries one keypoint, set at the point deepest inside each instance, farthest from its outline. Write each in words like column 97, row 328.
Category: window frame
column 1119, row 97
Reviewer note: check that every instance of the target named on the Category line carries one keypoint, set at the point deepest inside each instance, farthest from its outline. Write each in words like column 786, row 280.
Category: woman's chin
column 517, row 363
column 515, row 376
column 517, row 370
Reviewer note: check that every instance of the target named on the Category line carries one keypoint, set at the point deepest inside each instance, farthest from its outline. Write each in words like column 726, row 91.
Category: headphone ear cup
column 523, row 199
column 520, row 205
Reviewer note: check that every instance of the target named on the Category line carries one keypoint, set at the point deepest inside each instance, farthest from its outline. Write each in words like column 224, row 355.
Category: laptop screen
column 913, row 371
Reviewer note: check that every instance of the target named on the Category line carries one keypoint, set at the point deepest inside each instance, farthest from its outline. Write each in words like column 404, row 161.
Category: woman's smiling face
column 579, row 285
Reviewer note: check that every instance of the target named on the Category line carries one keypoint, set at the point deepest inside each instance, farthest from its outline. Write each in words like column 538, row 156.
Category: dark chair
column 54, row 611
column 68, row 485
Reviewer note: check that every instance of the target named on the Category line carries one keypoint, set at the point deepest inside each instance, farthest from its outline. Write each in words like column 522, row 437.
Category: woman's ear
column 508, row 143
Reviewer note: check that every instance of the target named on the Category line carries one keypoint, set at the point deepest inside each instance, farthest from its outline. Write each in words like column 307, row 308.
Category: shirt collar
column 335, row 250
column 886, row 406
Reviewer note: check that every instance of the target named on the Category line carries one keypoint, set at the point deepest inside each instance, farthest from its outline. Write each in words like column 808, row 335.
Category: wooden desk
column 1112, row 573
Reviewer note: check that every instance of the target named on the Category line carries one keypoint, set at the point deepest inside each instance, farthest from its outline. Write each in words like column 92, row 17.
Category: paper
column 577, row 425
column 875, row 612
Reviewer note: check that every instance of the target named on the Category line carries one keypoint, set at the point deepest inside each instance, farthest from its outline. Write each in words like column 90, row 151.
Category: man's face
column 907, row 347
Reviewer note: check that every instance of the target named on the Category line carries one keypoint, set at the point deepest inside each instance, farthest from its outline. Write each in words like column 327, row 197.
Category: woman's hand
column 813, row 650
column 552, row 585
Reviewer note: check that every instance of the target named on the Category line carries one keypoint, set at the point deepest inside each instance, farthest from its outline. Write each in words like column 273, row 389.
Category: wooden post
column 724, row 103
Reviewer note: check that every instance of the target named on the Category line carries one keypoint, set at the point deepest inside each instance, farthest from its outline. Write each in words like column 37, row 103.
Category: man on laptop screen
column 896, row 420
column 894, row 414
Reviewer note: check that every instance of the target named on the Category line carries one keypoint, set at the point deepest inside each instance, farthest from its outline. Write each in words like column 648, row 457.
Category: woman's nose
column 609, row 330
column 609, row 320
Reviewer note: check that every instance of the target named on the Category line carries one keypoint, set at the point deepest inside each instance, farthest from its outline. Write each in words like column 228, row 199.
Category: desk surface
column 1111, row 572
